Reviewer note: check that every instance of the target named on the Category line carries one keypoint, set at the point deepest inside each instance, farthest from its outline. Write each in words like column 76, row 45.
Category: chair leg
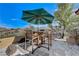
column 48, row 44
column 51, row 41
column 32, row 46
column 25, row 42
column 48, row 48
column 43, row 40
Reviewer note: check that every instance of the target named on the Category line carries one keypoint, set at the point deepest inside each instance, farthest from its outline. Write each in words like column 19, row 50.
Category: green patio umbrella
column 37, row 16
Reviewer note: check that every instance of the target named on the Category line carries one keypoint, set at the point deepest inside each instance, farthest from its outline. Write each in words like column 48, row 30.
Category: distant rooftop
column 77, row 12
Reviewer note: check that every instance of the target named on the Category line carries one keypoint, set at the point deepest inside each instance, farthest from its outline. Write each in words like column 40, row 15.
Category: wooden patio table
column 38, row 38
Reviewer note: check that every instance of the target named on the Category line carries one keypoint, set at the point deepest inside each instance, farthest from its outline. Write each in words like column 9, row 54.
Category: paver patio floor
column 58, row 48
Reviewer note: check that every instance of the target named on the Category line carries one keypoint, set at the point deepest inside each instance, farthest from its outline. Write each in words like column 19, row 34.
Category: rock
column 10, row 50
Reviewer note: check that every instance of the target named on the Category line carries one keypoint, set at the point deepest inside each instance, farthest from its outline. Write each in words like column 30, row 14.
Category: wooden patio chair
column 47, row 38
column 32, row 39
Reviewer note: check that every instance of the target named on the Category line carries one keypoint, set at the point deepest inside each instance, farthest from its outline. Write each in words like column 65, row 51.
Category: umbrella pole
column 39, row 26
column 38, row 31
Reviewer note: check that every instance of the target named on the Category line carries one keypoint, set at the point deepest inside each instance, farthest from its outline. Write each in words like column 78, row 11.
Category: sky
column 11, row 13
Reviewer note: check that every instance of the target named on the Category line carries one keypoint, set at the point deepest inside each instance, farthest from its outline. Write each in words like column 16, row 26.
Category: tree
column 74, row 22
column 63, row 15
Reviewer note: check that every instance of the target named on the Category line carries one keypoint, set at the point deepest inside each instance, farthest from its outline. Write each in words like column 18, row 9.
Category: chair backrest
column 49, row 33
column 28, row 34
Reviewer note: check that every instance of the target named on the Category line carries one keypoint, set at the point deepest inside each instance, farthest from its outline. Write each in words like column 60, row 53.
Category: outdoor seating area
column 38, row 38
column 29, row 41
column 41, row 32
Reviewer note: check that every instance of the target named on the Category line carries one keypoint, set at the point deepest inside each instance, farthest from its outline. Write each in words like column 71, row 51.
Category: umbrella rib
column 43, row 21
column 26, row 12
column 26, row 17
column 48, row 16
column 31, row 19
column 36, row 22
column 48, row 21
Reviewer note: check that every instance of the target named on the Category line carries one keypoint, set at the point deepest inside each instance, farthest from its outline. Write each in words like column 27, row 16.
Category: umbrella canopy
column 37, row 16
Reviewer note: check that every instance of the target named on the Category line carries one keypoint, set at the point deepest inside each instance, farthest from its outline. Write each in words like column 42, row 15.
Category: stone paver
column 61, row 48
